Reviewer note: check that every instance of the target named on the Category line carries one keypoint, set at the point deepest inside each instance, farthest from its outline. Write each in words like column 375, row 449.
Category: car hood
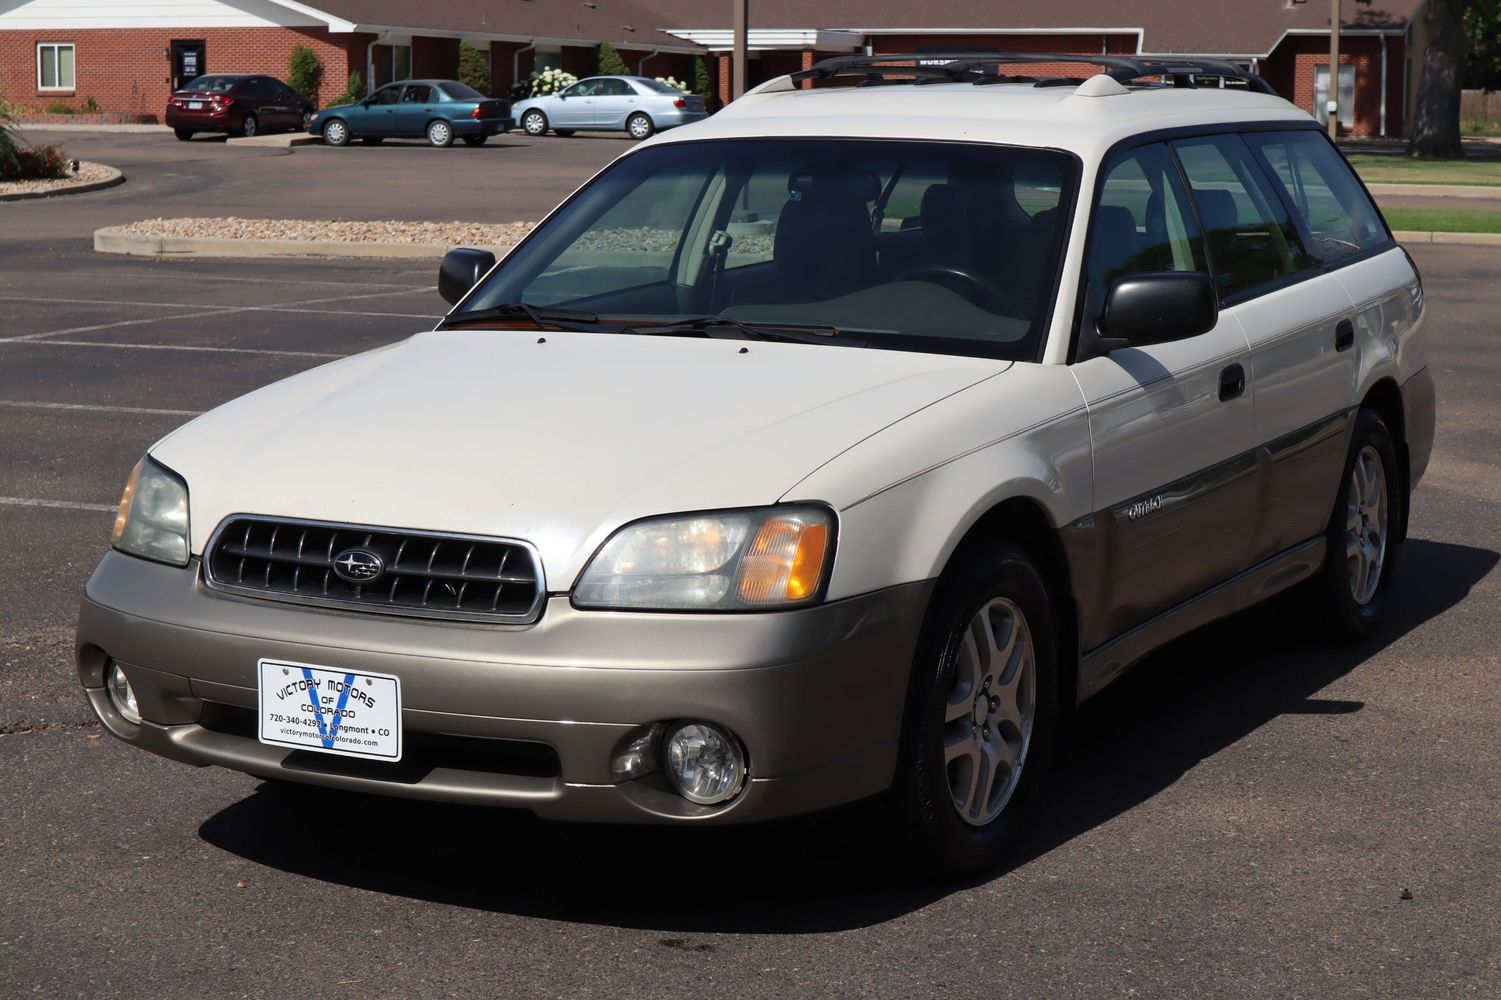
column 558, row 439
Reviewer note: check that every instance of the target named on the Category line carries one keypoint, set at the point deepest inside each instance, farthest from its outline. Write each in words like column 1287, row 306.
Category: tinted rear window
column 657, row 87
column 1336, row 214
column 462, row 92
column 215, row 84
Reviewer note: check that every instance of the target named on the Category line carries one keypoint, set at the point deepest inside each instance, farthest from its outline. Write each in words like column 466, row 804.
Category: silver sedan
column 637, row 105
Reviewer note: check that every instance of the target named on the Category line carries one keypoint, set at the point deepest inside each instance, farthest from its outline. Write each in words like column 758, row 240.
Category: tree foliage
column 1482, row 20
column 700, row 77
column 473, row 70
column 352, row 92
column 304, row 72
column 610, row 63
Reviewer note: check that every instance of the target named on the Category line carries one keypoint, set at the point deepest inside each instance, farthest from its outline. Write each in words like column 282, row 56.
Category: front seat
column 824, row 244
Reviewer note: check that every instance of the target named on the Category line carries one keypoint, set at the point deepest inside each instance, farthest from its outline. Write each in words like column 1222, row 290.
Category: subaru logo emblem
column 358, row 566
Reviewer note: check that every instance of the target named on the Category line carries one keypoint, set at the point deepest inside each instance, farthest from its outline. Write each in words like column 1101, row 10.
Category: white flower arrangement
column 551, row 81
column 675, row 84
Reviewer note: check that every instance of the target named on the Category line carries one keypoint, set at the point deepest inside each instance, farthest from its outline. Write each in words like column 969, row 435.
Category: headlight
column 153, row 518
column 743, row 560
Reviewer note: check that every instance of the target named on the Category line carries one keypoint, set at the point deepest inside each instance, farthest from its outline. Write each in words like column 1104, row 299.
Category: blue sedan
column 439, row 110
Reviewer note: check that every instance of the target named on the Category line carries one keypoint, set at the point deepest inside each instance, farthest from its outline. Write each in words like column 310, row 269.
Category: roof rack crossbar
column 982, row 66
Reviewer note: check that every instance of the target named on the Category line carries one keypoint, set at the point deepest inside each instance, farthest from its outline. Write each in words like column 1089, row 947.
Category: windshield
column 656, row 86
column 461, row 92
column 214, row 84
column 926, row 246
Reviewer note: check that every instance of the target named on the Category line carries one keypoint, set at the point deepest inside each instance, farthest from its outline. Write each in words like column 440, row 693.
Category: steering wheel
column 956, row 279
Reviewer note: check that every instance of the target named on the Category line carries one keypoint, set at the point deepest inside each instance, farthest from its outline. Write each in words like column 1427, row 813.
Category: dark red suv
column 237, row 103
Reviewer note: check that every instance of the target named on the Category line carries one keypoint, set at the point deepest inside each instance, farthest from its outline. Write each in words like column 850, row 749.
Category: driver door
column 574, row 107
column 1171, row 425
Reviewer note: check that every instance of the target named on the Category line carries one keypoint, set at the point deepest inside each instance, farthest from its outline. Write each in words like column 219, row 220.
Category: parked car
column 836, row 449
column 237, row 103
column 637, row 105
column 438, row 110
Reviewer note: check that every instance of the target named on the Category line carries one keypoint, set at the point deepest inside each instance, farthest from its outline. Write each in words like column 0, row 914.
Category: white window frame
column 55, row 47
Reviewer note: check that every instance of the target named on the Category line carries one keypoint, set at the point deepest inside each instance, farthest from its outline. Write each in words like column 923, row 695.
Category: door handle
column 1232, row 382
column 1344, row 335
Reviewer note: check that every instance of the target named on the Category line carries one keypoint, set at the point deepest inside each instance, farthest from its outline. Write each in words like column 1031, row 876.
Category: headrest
column 1217, row 209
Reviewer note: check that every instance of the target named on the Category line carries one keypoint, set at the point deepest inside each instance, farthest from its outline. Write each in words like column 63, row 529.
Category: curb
column 112, row 240
column 277, row 140
column 116, row 177
column 75, row 127
column 1437, row 190
column 1465, row 239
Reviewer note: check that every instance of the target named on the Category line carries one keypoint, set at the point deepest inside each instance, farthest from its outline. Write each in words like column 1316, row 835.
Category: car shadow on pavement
column 833, row 871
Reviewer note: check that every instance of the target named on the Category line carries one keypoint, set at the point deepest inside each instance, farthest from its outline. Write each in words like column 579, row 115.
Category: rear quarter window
column 1331, row 206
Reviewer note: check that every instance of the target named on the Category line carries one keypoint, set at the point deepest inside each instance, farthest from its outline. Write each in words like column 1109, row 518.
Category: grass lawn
column 1442, row 220
column 1377, row 169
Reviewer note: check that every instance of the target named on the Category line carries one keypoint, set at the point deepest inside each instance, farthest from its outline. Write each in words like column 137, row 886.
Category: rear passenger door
column 1297, row 322
column 613, row 101
column 1170, row 424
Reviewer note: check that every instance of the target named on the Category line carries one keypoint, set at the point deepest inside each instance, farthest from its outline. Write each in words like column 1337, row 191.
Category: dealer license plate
column 195, row 105
column 345, row 712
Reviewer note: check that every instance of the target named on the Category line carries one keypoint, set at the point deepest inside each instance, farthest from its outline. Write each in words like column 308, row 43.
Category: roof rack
column 982, row 66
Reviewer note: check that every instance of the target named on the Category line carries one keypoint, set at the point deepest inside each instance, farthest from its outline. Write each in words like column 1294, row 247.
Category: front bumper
column 815, row 695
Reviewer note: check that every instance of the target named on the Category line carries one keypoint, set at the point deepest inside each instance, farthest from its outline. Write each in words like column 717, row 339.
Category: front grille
column 423, row 573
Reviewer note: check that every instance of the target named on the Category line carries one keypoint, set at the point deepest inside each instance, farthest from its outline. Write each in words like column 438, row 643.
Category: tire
column 249, row 126
column 439, row 133
column 563, row 133
column 183, row 134
column 534, row 123
column 1363, row 536
column 969, row 768
column 336, row 132
column 475, row 140
column 639, row 126
column 373, row 140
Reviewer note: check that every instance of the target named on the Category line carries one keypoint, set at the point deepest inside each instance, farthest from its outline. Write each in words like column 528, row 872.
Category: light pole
column 742, row 53
column 1331, row 102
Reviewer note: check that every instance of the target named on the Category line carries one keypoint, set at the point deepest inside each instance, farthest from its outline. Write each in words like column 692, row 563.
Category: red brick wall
column 127, row 70
column 1291, row 68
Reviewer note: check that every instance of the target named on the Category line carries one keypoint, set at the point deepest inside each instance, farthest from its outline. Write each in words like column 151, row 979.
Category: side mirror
column 461, row 270
column 1144, row 309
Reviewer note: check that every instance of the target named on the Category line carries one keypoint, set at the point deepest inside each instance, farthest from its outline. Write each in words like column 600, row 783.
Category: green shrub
column 473, row 70
column 9, row 164
column 91, row 106
column 700, row 77
column 352, row 93
column 610, row 63
column 42, row 162
column 59, row 108
column 304, row 72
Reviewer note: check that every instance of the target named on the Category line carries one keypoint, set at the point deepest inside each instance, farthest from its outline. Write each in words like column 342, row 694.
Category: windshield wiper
column 720, row 326
column 542, row 316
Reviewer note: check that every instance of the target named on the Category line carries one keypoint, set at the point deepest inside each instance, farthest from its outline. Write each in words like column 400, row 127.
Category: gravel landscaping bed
column 88, row 173
column 451, row 233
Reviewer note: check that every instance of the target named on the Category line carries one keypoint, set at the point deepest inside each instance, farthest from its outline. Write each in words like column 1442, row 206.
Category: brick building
column 126, row 55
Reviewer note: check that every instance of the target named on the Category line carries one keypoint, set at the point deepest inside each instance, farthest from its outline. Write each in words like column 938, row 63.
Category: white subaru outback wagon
column 834, row 447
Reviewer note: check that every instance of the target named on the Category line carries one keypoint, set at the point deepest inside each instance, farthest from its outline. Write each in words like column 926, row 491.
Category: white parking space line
column 174, row 347
column 32, row 337
column 52, row 300
column 107, row 508
column 94, row 408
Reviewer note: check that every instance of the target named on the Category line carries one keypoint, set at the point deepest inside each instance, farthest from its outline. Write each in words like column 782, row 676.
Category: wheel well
column 1386, row 400
column 1026, row 523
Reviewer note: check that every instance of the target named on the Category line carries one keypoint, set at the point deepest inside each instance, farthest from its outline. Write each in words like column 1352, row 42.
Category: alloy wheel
column 335, row 133
column 248, row 128
column 640, row 126
column 534, row 123
column 990, row 711
column 439, row 134
column 1366, row 518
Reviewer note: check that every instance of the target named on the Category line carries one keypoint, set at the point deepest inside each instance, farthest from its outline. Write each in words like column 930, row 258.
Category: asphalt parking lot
column 1251, row 813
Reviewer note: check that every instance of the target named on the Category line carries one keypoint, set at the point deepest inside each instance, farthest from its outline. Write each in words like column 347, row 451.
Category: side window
column 417, row 93
column 1335, row 211
column 1143, row 223
column 1251, row 238
column 614, row 88
column 386, row 95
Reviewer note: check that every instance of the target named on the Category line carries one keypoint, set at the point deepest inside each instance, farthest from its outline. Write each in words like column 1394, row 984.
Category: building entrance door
column 187, row 62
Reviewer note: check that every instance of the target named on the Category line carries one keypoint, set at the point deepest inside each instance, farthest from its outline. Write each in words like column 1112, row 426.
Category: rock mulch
column 341, row 230
column 88, row 173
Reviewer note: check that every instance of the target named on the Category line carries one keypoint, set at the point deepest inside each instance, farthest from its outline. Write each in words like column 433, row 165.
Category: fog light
column 704, row 763
column 121, row 694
